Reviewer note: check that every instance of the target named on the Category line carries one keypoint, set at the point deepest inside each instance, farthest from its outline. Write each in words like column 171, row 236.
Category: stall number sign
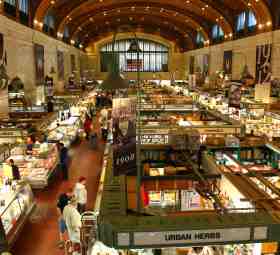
column 154, row 139
column 198, row 236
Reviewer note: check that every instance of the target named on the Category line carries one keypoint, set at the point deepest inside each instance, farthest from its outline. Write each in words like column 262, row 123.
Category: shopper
column 50, row 106
column 73, row 221
column 15, row 170
column 87, row 126
column 64, row 160
column 63, row 200
column 29, row 144
column 80, row 193
column 104, row 123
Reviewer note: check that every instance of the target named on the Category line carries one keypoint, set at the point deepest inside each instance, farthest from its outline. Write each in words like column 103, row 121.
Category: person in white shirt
column 73, row 221
column 80, row 193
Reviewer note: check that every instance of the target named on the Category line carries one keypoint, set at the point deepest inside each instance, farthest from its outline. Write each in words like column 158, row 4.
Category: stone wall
column 244, row 52
column 19, row 43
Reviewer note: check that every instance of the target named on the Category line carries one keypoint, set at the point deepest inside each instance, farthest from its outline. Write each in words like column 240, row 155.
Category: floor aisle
column 40, row 236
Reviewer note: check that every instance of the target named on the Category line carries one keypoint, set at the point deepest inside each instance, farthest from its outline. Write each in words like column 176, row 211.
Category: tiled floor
column 41, row 236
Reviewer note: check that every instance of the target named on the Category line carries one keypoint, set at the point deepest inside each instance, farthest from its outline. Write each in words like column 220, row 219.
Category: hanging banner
column 39, row 64
column 228, row 62
column 60, row 65
column 234, row 97
column 124, row 136
column 1, row 47
column 73, row 63
column 4, row 79
column 263, row 63
column 205, row 62
column 192, row 60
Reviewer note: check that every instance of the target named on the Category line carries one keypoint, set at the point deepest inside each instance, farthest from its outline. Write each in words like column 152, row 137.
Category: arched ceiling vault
column 183, row 36
column 176, row 22
column 197, row 14
column 181, row 43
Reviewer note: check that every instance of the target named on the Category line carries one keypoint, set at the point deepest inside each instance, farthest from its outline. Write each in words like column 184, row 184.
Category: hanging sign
column 191, row 67
column 4, row 80
column 205, row 62
column 263, row 63
column 124, row 136
column 39, row 63
column 228, row 62
column 60, row 65
column 199, row 236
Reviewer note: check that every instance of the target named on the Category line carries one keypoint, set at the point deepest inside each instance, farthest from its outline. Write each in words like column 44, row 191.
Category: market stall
column 36, row 169
column 16, row 205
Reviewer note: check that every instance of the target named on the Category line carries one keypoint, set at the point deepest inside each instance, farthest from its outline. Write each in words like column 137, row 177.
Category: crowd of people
column 72, row 203
column 70, row 206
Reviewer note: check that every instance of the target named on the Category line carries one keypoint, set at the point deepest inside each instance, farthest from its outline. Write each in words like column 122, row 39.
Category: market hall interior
column 139, row 127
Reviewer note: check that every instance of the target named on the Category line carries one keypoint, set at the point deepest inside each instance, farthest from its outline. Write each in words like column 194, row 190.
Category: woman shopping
column 87, row 126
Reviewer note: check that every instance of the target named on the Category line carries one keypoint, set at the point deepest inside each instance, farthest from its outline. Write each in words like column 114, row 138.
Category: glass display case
column 37, row 168
column 12, row 135
column 16, row 205
column 65, row 131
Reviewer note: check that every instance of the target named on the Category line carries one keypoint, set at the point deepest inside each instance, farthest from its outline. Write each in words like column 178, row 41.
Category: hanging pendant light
column 114, row 81
column 134, row 47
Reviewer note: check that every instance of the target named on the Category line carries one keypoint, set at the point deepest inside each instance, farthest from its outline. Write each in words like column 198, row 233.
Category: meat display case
column 16, row 205
column 38, row 168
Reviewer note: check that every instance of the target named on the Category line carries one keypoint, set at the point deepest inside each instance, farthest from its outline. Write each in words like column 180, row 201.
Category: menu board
column 154, row 139
column 190, row 200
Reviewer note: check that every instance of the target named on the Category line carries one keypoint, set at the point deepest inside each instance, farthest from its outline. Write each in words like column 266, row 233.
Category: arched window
column 252, row 21
column 246, row 22
column 66, row 34
column 217, row 33
column 241, row 22
column 49, row 24
column 10, row 7
column 153, row 56
column 23, row 6
column 199, row 39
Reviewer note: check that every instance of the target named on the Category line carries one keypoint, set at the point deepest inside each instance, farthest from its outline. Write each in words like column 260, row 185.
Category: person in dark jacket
column 64, row 160
column 63, row 200
column 15, row 170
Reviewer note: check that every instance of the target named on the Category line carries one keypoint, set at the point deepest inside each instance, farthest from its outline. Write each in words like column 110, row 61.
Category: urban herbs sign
column 198, row 236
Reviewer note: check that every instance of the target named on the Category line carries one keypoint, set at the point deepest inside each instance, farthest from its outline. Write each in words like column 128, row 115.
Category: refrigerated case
column 65, row 131
column 38, row 168
column 16, row 205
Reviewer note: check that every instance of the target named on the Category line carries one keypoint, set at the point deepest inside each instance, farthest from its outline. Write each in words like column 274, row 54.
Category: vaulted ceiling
column 176, row 20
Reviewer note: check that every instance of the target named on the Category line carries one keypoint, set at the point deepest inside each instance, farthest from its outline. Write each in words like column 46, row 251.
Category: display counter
column 28, row 112
column 65, row 131
column 16, row 205
column 36, row 169
column 12, row 135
